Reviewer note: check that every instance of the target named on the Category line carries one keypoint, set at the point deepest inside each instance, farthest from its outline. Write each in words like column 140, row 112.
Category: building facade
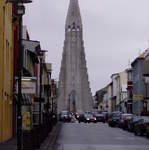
column 109, row 97
column 74, row 88
column 115, row 91
column 6, row 71
column 123, row 91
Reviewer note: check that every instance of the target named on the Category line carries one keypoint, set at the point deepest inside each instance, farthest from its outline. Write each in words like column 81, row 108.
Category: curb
column 49, row 143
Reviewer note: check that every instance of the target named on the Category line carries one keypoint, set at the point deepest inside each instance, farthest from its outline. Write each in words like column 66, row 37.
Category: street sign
column 138, row 97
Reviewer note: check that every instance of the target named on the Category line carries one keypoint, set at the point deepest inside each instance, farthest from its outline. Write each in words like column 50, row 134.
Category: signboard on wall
column 138, row 97
column 26, row 121
column 28, row 85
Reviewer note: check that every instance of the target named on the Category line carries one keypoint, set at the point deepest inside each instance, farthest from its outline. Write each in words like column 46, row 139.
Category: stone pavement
column 48, row 144
column 9, row 145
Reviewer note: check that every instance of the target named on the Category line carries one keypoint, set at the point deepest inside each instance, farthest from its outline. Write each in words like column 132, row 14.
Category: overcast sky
column 115, row 31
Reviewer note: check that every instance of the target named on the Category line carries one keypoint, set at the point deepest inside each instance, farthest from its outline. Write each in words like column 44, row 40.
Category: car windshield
column 65, row 113
column 146, row 119
column 116, row 114
column 127, row 116
column 88, row 115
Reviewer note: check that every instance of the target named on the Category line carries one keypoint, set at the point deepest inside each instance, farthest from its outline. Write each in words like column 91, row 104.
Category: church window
column 78, row 28
column 73, row 26
column 69, row 28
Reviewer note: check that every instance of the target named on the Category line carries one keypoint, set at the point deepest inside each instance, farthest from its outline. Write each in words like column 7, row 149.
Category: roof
column 73, row 15
column 141, row 56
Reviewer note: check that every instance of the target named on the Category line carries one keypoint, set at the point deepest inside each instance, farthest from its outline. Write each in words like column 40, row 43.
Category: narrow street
column 98, row 136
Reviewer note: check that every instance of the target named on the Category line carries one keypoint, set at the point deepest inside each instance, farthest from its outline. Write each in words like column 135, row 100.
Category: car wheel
column 139, row 132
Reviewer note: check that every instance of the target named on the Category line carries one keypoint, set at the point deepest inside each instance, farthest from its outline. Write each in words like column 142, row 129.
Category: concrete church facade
column 74, row 91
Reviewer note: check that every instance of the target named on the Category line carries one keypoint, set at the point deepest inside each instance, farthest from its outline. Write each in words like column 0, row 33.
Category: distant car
column 114, row 119
column 89, row 118
column 132, row 122
column 124, row 120
column 105, row 115
column 65, row 116
column 140, row 127
column 80, row 117
column 99, row 117
column 147, row 131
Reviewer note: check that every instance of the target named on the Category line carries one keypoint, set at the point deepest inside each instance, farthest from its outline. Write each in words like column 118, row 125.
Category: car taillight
column 145, row 125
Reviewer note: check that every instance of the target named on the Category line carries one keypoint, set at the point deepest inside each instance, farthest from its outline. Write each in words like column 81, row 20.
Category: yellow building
column 6, row 71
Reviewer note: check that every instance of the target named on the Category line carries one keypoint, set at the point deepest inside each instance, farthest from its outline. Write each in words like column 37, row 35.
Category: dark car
column 124, row 119
column 89, row 118
column 132, row 122
column 80, row 117
column 105, row 115
column 99, row 117
column 114, row 119
column 140, row 127
column 65, row 116
column 147, row 131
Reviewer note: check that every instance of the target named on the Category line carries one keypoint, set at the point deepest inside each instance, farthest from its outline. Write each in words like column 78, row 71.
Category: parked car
column 65, row 116
column 132, row 122
column 89, row 118
column 80, row 117
column 114, row 119
column 124, row 118
column 147, row 131
column 105, row 115
column 99, row 117
column 140, row 127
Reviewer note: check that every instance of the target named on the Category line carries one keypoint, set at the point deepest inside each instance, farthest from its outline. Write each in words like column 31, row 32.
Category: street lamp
column 20, row 13
column 49, row 77
column 52, row 94
column 40, row 53
column 69, row 102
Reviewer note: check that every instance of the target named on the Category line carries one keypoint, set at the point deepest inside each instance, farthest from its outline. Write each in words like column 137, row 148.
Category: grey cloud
column 114, row 31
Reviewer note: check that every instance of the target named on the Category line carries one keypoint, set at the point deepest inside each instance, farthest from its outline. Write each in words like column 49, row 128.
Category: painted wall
column 6, row 71
column 138, row 86
column 109, row 97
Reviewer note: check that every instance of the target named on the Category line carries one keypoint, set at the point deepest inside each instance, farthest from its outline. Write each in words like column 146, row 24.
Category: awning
column 26, row 99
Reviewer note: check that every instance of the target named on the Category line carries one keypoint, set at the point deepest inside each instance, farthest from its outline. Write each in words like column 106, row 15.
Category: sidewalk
column 9, row 145
column 48, row 144
column 50, row 141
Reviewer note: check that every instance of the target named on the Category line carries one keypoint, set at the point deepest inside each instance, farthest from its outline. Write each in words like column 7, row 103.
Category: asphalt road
column 75, row 136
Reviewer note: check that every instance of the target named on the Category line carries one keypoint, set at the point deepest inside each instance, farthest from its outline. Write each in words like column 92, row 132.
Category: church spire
column 73, row 16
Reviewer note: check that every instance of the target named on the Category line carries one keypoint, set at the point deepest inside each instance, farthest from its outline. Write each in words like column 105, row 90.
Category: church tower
column 74, row 91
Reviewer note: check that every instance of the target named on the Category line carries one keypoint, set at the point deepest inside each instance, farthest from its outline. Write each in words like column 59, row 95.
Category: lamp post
column 52, row 93
column 40, row 53
column 20, row 13
column 69, row 103
column 49, row 77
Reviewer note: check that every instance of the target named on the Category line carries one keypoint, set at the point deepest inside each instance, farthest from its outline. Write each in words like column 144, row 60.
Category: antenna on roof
column 129, row 64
